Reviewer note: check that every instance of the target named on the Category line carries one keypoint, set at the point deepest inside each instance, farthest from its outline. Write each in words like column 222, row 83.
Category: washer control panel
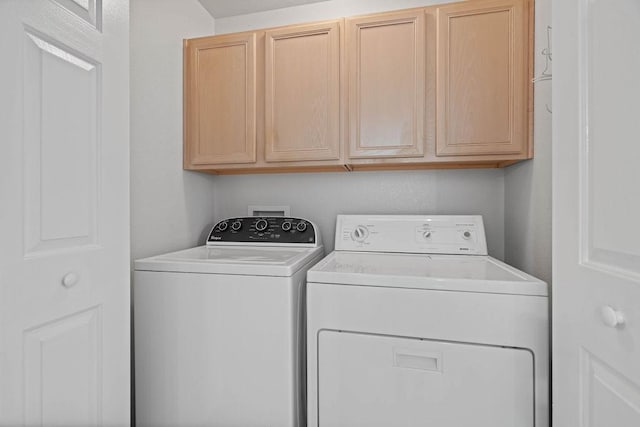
column 272, row 230
column 436, row 234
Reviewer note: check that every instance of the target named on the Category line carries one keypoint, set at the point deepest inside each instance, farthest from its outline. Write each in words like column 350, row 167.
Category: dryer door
column 371, row 380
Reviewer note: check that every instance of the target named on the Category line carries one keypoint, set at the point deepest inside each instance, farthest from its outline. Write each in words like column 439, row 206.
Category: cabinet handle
column 69, row 280
column 611, row 317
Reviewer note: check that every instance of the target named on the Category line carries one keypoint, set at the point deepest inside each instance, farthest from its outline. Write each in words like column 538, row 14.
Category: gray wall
column 528, row 184
column 169, row 207
column 320, row 197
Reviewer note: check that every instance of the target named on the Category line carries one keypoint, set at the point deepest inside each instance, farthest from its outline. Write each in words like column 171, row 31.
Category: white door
column 64, row 213
column 596, row 213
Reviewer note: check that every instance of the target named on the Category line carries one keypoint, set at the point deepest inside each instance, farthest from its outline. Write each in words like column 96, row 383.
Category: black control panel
column 271, row 229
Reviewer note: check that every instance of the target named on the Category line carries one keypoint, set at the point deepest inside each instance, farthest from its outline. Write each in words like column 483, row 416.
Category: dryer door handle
column 404, row 358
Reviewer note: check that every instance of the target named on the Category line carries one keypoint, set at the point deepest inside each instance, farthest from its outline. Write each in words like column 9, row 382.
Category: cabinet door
column 483, row 78
column 386, row 85
column 302, row 93
column 220, row 100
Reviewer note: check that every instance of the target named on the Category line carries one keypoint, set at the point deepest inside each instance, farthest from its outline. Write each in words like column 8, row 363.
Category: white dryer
column 219, row 329
column 410, row 323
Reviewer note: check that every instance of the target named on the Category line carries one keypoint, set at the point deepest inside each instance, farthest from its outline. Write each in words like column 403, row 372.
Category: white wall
column 528, row 184
column 169, row 207
column 320, row 197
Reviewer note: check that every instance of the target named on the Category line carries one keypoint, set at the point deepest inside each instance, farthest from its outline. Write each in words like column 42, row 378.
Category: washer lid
column 464, row 273
column 240, row 260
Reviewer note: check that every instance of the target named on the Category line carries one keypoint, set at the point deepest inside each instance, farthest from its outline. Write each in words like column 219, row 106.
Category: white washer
column 410, row 323
column 219, row 329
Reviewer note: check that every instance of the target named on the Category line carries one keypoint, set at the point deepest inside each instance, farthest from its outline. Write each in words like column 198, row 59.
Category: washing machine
column 411, row 323
column 219, row 329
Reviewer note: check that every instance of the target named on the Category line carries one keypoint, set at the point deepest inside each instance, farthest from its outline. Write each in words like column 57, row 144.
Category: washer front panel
column 367, row 380
column 498, row 320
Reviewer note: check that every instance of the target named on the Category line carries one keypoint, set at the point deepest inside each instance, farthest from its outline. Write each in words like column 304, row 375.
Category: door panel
column 379, row 381
column 609, row 161
column 386, row 85
column 482, row 78
column 87, row 10
column 59, row 389
column 64, row 222
column 60, row 151
column 302, row 93
column 596, row 259
column 610, row 397
column 220, row 100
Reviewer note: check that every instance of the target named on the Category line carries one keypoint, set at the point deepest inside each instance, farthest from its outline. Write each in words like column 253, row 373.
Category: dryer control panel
column 272, row 231
column 433, row 234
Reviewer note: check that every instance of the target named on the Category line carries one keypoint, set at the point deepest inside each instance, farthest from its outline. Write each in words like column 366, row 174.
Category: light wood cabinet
column 483, row 78
column 302, row 93
column 444, row 86
column 386, row 61
column 220, row 101
column 265, row 101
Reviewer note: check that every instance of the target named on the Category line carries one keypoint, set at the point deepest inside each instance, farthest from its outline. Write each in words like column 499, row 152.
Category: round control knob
column 301, row 226
column 286, row 226
column 360, row 233
column 236, row 225
column 426, row 234
column 223, row 226
column 466, row 235
column 261, row 224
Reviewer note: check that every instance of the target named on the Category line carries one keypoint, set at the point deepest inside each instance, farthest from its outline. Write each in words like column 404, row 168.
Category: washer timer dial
column 261, row 224
column 360, row 233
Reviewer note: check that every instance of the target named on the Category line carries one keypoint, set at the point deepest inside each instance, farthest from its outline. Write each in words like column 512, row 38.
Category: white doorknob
column 611, row 317
column 69, row 280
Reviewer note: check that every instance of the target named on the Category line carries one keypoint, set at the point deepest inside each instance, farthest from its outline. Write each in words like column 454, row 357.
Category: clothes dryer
column 412, row 324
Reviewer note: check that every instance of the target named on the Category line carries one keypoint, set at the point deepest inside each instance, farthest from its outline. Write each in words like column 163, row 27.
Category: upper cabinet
column 302, row 93
column 483, row 78
column 386, row 62
column 440, row 86
column 267, row 100
column 220, row 101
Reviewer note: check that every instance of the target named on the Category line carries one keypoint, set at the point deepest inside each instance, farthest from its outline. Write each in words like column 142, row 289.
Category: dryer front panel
column 380, row 381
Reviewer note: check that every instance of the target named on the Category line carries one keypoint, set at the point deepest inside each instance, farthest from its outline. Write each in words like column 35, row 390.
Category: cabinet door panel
column 386, row 85
column 482, row 78
column 220, row 100
column 302, row 93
